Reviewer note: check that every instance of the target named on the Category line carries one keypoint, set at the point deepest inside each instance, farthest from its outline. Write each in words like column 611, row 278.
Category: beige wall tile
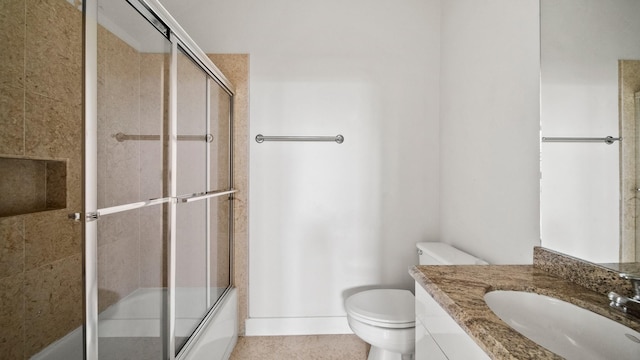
column 28, row 187
column 53, row 129
column 54, row 47
column 118, row 112
column 123, row 173
column 74, row 184
column 152, row 247
column 114, row 227
column 106, row 296
column 49, row 237
column 119, row 267
column 53, row 298
column 11, row 119
column 629, row 84
column 56, row 184
column 103, row 35
column 236, row 69
column 40, row 117
column 12, row 30
column 23, row 186
column 122, row 86
column 153, row 85
column 12, row 317
column 11, row 246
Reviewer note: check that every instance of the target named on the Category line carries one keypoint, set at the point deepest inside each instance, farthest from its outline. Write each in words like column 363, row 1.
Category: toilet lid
column 383, row 307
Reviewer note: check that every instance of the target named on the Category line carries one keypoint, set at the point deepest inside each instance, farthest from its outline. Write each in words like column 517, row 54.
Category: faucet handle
column 635, row 282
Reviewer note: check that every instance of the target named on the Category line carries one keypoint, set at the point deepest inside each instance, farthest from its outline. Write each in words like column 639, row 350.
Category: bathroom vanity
column 438, row 336
column 464, row 318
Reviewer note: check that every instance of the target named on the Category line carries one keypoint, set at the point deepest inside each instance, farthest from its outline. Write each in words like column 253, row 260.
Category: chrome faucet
column 625, row 304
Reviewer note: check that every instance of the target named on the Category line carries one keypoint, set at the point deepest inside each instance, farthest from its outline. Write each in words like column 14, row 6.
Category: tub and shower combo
column 158, row 192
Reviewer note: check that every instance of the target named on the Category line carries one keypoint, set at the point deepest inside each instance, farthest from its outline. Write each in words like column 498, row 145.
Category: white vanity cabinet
column 438, row 336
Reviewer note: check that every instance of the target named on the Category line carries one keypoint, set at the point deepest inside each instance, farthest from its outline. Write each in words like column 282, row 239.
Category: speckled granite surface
column 601, row 278
column 460, row 290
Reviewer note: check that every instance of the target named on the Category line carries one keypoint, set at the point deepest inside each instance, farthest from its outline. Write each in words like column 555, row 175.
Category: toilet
column 385, row 318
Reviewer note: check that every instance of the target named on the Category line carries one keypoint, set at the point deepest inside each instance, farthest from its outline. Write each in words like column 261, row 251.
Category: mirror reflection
column 590, row 86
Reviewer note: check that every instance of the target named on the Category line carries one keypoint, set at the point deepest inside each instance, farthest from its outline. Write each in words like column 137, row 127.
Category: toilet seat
column 386, row 308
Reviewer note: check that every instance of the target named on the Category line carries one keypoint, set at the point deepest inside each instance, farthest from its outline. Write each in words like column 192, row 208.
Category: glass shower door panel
column 131, row 283
column 220, row 128
column 191, row 268
column 219, row 249
column 192, row 127
column 133, row 68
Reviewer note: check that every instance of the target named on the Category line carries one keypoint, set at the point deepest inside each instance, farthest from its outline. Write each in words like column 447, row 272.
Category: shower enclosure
column 116, row 192
column 158, row 183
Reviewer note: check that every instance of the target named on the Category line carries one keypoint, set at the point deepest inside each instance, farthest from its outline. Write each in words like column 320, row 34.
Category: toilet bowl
column 385, row 318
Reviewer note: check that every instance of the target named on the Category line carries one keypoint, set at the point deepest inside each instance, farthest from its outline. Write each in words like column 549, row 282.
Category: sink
column 563, row 328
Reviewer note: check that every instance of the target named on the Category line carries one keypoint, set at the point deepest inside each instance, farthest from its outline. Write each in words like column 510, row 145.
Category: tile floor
column 314, row 347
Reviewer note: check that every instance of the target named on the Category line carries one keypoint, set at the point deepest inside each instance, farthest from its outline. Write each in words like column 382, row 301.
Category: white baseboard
column 297, row 326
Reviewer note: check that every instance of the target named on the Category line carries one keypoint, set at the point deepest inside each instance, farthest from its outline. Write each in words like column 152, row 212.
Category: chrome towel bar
column 147, row 203
column 607, row 140
column 205, row 195
column 124, row 137
column 261, row 138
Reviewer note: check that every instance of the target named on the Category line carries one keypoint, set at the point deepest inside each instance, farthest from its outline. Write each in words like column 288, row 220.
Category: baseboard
column 297, row 326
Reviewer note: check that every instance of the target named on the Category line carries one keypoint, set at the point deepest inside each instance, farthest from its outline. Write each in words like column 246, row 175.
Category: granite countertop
column 460, row 290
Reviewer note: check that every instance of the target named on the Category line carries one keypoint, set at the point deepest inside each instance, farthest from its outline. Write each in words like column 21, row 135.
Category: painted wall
column 327, row 219
column 489, row 128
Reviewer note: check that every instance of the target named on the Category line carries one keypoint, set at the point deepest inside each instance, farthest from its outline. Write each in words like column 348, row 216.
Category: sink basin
column 563, row 328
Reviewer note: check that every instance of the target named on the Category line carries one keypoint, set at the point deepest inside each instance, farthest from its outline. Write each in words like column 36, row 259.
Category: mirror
column 590, row 80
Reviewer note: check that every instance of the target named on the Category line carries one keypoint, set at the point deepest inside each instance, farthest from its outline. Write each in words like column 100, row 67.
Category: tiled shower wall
column 236, row 69
column 40, row 118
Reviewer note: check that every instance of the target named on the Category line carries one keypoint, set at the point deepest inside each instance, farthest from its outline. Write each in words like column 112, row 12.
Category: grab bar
column 261, row 138
column 204, row 195
column 607, row 140
column 124, row 137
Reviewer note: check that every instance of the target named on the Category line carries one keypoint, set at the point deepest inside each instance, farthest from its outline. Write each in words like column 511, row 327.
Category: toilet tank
column 438, row 253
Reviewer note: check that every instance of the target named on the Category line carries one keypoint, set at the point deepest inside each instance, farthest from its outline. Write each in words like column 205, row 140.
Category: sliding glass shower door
column 203, row 178
column 133, row 65
column 158, row 187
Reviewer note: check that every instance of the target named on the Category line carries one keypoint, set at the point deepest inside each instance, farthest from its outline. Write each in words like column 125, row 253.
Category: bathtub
column 138, row 316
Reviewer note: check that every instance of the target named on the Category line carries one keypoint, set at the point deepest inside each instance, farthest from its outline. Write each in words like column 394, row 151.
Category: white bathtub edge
column 220, row 334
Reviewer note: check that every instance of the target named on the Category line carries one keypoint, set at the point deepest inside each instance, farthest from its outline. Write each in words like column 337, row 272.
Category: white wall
column 326, row 218
column 582, row 42
column 489, row 128
column 438, row 104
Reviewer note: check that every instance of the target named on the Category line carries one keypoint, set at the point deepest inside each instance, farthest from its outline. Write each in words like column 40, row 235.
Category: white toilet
column 385, row 318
